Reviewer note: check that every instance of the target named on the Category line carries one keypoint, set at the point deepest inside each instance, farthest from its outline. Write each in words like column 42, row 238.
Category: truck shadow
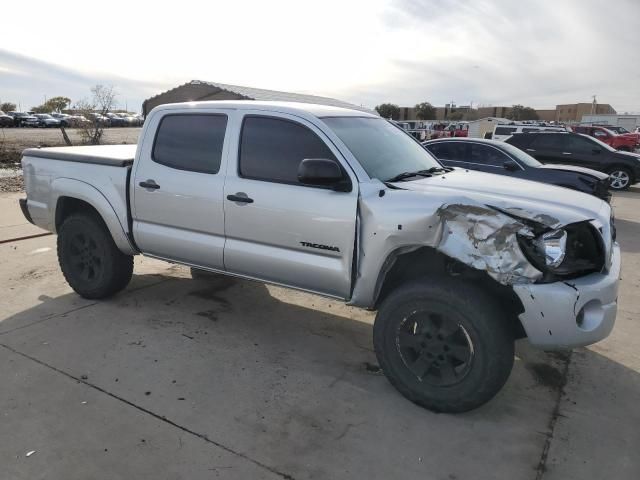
column 283, row 374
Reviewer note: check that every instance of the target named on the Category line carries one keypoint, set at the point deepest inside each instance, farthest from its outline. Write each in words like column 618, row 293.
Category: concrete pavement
column 234, row 379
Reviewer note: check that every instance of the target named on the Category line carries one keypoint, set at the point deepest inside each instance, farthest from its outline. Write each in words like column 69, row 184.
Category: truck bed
column 111, row 155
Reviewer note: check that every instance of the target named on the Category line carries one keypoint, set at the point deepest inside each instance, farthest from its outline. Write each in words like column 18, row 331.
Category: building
column 197, row 90
column 546, row 115
column 630, row 122
column 495, row 112
column 573, row 112
column 407, row 113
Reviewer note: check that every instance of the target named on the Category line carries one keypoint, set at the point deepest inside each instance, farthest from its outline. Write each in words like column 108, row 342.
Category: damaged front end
column 513, row 245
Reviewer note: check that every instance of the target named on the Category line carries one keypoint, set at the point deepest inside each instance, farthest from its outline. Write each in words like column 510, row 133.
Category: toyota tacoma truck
column 458, row 264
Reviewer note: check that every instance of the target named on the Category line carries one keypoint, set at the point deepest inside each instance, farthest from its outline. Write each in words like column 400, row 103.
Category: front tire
column 445, row 346
column 90, row 261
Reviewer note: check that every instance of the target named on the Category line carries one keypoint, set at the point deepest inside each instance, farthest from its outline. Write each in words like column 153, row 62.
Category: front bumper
column 574, row 313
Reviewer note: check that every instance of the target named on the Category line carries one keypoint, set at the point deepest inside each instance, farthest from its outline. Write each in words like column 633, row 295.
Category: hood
column 628, row 154
column 572, row 168
column 547, row 205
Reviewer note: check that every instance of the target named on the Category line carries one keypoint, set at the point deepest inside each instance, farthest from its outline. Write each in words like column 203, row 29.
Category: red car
column 627, row 142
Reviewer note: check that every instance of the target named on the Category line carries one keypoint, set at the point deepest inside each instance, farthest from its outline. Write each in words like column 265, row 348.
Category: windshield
column 43, row 115
column 524, row 157
column 382, row 149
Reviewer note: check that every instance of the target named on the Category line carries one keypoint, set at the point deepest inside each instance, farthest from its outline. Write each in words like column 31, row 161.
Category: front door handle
column 149, row 184
column 566, row 153
column 240, row 197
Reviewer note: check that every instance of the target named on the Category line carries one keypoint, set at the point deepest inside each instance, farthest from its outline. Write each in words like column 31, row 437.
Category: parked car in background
column 583, row 151
column 622, row 131
column 99, row 119
column 501, row 158
column 23, row 119
column 115, row 120
column 60, row 116
column 627, row 142
column 74, row 121
column 5, row 120
column 502, row 132
column 30, row 120
column 47, row 121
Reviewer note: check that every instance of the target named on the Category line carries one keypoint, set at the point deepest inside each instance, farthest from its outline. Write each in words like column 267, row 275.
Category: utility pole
column 594, row 106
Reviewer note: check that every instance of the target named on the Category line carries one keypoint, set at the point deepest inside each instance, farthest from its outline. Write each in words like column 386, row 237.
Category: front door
column 177, row 189
column 278, row 229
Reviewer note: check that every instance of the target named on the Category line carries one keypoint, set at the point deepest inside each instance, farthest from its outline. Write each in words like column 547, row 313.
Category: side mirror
column 323, row 172
column 510, row 165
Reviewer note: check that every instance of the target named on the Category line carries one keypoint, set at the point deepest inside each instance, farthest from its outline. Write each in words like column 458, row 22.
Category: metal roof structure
column 197, row 90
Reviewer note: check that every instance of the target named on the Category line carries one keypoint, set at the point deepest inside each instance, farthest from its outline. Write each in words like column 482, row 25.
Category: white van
column 502, row 132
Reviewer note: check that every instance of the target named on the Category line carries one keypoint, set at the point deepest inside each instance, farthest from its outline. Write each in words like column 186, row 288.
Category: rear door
column 177, row 188
column 548, row 148
column 278, row 229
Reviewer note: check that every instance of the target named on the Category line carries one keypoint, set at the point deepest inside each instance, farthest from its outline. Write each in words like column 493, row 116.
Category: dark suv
column 584, row 151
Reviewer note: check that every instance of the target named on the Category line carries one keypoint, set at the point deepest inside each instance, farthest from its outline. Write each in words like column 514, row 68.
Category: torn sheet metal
column 486, row 239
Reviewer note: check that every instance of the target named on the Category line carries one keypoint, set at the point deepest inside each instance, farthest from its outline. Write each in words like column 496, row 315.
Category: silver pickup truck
column 458, row 264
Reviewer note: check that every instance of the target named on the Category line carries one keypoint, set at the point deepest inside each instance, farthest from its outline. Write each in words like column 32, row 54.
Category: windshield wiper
column 404, row 175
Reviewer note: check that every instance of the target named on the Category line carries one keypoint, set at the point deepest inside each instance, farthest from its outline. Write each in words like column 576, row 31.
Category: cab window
column 271, row 149
column 190, row 142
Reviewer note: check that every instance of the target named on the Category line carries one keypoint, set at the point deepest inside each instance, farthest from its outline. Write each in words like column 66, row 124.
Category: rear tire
column 445, row 346
column 620, row 178
column 90, row 261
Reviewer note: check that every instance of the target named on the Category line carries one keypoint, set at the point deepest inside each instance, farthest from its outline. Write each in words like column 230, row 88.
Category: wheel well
column 68, row 205
column 428, row 262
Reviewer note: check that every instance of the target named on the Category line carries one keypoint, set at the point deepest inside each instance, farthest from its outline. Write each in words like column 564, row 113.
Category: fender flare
column 77, row 189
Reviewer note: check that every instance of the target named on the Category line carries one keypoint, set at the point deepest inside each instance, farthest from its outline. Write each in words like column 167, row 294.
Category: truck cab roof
column 295, row 108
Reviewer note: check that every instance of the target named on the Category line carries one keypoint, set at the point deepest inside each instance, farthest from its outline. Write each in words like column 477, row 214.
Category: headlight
column 553, row 245
column 567, row 252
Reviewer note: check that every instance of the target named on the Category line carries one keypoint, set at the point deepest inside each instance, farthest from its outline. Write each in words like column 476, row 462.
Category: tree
column 425, row 111
column 102, row 101
column 57, row 104
column 388, row 110
column 518, row 112
column 8, row 107
column 41, row 108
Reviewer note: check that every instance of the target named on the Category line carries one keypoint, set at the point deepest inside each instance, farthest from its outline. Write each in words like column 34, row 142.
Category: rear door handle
column 149, row 184
column 566, row 153
column 240, row 197
column 531, row 150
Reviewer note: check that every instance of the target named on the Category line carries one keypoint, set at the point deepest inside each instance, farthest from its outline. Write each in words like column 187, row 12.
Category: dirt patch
column 9, row 158
column 547, row 375
column 11, row 184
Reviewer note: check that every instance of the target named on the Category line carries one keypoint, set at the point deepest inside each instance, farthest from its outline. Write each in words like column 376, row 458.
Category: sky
column 533, row 52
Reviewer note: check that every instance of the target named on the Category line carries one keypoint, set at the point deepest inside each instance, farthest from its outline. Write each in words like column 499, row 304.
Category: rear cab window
column 190, row 142
column 271, row 149
column 505, row 130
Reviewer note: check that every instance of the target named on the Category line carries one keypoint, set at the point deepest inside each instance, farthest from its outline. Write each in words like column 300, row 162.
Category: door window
column 190, row 142
column 271, row 149
column 578, row 144
column 450, row 151
column 546, row 141
column 486, row 155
